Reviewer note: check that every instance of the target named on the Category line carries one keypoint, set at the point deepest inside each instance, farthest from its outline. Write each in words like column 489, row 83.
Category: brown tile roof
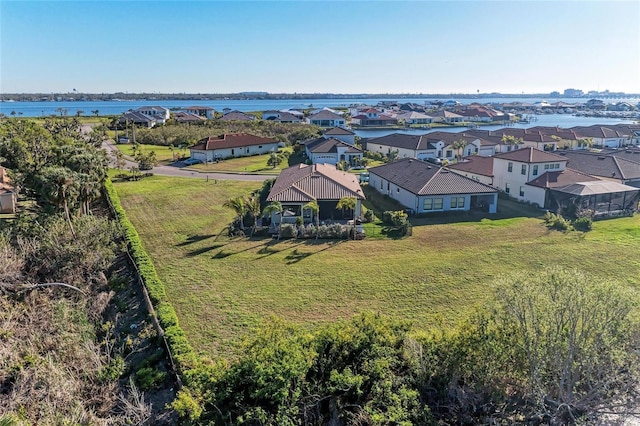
column 560, row 178
column 475, row 164
column 596, row 131
column 326, row 115
column 422, row 178
column 530, row 155
column 608, row 166
column 232, row 140
column 304, row 183
column 184, row 117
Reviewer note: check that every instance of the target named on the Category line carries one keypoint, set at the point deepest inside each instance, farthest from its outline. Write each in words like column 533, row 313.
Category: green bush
column 368, row 216
column 583, row 224
column 556, row 221
column 395, row 218
column 148, row 378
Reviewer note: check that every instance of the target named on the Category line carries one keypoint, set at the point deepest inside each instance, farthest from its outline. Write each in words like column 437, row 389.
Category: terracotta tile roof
column 304, row 183
column 530, row 155
column 422, row 178
column 560, row 178
column 475, row 164
column 233, row 140
column 326, row 145
column 338, row 131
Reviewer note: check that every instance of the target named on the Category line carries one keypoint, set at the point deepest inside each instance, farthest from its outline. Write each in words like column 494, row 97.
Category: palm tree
column 238, row 206
column 392, row 156
column 586, row 142
column 349, row 203
column 252, row 206
column 275, row 207
column 95, row 112
column 459, row 146
column 512, row 141
column 315, row 209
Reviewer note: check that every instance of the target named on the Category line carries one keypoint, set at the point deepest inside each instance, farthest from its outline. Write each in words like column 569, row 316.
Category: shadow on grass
column 296, row 256
column 203, row 250
column 222, row 253
column 194, row 239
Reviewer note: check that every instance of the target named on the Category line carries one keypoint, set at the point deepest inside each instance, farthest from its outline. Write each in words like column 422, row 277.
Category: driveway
column 109, row 146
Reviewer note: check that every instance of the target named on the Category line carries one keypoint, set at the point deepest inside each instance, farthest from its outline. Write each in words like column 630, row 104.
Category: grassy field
column 164, row 155
column 251, row 164
column 221, row 287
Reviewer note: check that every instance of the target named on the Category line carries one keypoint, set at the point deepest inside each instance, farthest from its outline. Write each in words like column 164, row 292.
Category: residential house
column 8, row 196
column 325, row 118
column 529, row 138
column 540, row 187
column 330, row 150
column 372, row 117
column 421, row 147
column 444, row 116
column 601, row 136
column 414, row 117
column 448, row 139
column 426, row 188
column 187, row 117
column 202, row 111
column 340, row 133
column 232, row 145
column 606, row 166
column 237, row 116
column 601, row 198
column 281, row 117
column 476, row 167
column 595, row 104
column 160, row 114
column 513, row 170
column 136, row 118
column 298, row 185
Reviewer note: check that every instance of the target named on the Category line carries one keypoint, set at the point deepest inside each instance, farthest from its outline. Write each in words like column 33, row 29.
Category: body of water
column 552, row 120
column 38, row 109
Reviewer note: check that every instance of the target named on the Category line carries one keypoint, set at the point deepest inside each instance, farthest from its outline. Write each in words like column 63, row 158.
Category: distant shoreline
column 118, row 96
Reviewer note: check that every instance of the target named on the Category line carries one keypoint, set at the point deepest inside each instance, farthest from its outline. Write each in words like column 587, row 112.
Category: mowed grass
column 250, row 164
column 164, row 154
column 222, row 287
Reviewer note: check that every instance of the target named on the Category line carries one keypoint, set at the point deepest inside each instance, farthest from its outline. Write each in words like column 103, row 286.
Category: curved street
column 175, row 171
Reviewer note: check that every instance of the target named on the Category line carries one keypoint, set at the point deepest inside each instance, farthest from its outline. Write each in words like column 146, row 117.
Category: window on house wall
column 397, row 189
column 535, row 170
column 556, row 166
column 510, row 167
column 381, row 185
column 449, row 153
column 437, row 203
column 461, row 202
column 524, row 169
column 457, row 202
column 546, row 167
column 507, row 188
column 522, row 191
column 427, row 204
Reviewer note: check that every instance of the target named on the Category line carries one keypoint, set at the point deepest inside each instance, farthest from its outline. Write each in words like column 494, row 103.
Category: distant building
column 573, row 93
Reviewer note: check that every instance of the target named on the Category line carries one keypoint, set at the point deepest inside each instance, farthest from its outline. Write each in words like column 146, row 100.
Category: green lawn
column 164, row 155
column 220, row 288
column 251, row 164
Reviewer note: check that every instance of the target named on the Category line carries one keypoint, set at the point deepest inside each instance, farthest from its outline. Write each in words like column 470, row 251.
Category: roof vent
column 428, row 167
column 601, row 158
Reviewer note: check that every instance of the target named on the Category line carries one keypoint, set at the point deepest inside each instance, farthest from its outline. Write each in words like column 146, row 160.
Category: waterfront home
column 340, row 133
column 281, row 117
column 475, row 167
column 326, row 118
column 202, row 111
column 408, row 146
column 158, row 113
column 413, row 117
column 602, row 136
column 372, row 117
column 187, row 117
column 136, row 118
column 237, row 116
column 329, row 150
column 298, row 185
column 232, row 145
column 423, row 187
column 444, row 116
column 611, row 166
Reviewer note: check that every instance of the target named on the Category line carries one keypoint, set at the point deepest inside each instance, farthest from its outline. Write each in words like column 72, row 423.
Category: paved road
column 181, row 172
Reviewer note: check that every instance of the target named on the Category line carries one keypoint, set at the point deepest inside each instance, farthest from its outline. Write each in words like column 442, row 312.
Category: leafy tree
column 459, row 145
column 59, row 187
column 349, row 203
column 95, row 112
column 512, row 141
column 79, row 113
column 585, row 142
column 146, row 160
column 315, row 210
column 392, row 156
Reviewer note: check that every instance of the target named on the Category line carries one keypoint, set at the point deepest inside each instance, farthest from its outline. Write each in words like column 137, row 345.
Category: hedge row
column 180, row 348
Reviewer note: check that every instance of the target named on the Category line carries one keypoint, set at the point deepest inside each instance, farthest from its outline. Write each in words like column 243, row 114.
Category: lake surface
column 38, row 109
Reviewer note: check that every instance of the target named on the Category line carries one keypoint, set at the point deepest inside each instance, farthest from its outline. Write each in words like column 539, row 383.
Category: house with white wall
column 426, row 188
column 325, row 118
column 329, row 150
column 513, row 170
column 201, row 111
column 232, row 145
column 340, row 133
column 158, row 113
column 408, row 146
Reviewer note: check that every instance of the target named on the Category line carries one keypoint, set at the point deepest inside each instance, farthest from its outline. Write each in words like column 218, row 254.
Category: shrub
column 369, row 216
column 288, row 230
column 556, row 221
column 149, row 378
column 583, row 224
column 395, row 218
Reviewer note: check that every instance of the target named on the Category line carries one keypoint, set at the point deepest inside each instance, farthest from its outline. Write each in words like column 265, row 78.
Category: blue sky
column 319, row 46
